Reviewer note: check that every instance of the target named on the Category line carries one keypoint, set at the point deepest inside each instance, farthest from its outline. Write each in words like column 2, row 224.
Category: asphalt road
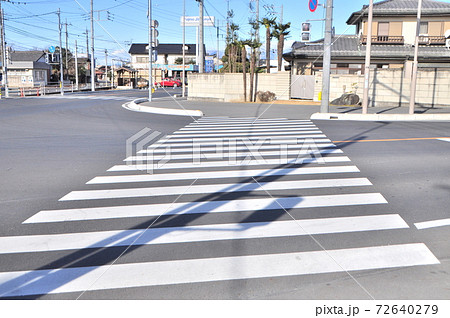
column 51, row 147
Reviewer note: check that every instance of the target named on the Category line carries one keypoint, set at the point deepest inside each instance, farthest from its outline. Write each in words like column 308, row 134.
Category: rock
column 264, row 97
column 346, row 100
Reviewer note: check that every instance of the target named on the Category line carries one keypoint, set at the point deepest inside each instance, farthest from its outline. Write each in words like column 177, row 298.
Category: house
column 393, row 37
column 28, row 69
column 168, row 60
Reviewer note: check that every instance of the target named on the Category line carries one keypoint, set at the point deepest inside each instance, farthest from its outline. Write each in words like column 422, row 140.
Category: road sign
column 51, row 49
column 313, row 5
column 195, row 21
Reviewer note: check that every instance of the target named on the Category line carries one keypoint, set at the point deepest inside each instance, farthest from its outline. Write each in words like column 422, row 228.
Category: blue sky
column 33, row 24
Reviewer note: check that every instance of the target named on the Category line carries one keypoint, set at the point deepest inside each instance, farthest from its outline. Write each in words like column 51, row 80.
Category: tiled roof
column 348, row 46
column 140, row 48
column 26, row 56
column 402, row 7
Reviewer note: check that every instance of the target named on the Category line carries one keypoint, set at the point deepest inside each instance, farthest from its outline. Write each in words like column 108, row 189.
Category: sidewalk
column 289, row 110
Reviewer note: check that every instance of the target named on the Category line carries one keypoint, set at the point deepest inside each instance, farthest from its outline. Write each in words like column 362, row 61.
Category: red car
column 168, row 82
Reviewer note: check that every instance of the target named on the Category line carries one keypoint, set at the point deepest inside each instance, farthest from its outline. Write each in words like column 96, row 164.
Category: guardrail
column 45, row 90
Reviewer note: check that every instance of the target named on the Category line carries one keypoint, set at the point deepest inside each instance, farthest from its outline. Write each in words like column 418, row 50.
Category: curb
column 381, row 117
column 135, row 106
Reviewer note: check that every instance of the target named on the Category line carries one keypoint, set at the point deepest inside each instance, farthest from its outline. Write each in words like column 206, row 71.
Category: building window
column 39, row 75
column 141, row 59
column 423, row 28
column 383, row 28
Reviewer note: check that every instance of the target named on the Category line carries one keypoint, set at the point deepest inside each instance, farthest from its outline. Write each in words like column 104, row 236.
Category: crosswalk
column 218, row 180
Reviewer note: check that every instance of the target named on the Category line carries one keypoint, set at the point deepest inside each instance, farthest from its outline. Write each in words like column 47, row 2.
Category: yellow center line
column 405, row 139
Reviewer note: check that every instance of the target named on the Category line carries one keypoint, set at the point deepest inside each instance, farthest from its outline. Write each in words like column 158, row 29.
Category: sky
column 33, row 24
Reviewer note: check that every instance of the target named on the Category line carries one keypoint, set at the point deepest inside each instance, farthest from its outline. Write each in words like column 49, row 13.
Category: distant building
column 28, row 69
column 393, row 36
column 168, row 60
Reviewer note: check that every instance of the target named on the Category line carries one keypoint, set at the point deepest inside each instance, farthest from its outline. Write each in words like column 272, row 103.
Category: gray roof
column 402, row 7
column 26, row 56
column 348, row 46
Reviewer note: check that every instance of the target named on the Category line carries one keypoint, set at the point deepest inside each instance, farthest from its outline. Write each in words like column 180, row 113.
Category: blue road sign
column 313, row 5
column 51, row 49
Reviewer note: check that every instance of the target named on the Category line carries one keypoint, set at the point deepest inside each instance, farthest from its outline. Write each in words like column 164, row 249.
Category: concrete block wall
column 389, row 87
column 229, row 86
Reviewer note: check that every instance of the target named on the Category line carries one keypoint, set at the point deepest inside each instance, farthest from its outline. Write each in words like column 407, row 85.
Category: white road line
column 214, row 188
column 78, row 279
column 245, row 135
column 202, row 156
column 206, row 150
column 150, row 210
column 226, row 163
column 206, row 125
column 171, row 139
column 431, row 224
column 444, row 139
column 250, row 121
column 243, row 131
column 199, row 233
column 164, row 143
column 231, row 129
column 223, row 174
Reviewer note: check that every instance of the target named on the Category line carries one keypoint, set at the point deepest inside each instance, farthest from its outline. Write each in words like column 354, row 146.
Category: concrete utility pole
column 258, row 52
column 67, row 50
column 61, row 69
column 150, row 51
column 183, row 76
column 87, row 54
column 106, row 64
column 92, row 48
column 412, row 100
column 4, row 59
column 365, row 102
column 217, row 55
column 77, row 84
column 201, row 50
column 325, row 107
column 112, row 74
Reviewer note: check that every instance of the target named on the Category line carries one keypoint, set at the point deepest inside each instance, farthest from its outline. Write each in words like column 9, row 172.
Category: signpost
column 313, row 5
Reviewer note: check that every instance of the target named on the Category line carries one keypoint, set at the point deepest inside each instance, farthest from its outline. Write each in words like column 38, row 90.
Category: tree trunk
column 244, row 71
column 267, row 49
column 252, row 71
column 280, row 51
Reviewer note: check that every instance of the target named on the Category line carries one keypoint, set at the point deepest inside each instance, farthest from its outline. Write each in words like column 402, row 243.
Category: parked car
column 168, row 82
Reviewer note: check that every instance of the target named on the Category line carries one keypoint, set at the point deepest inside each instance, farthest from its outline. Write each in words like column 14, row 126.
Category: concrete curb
column 135, row 106
column 382, row 117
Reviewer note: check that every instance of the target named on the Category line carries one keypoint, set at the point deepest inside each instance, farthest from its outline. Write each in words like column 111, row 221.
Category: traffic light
column 155, row 33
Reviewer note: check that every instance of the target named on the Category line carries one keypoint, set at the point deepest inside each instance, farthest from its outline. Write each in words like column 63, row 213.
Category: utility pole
column 61, row 69
column 365, row 102
column 412, row 100
column 217, row 55
column 281, row 15
column 150, row 51
column 76, row 66
column 325, row 107
column 106, row 64
column 4, row 59
column 112, row 74
column 92, row 48
column 87, row 54
column 258, row 52
column 201, row 50
column 67, row 50
column 183, row 77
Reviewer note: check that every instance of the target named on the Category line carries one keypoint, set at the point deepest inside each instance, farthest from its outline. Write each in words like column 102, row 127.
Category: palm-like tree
column 233, row 47
column 281, row 32
column 268, row 23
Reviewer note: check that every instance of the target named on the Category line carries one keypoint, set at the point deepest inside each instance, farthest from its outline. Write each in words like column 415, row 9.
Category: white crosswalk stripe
column 312, row 176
